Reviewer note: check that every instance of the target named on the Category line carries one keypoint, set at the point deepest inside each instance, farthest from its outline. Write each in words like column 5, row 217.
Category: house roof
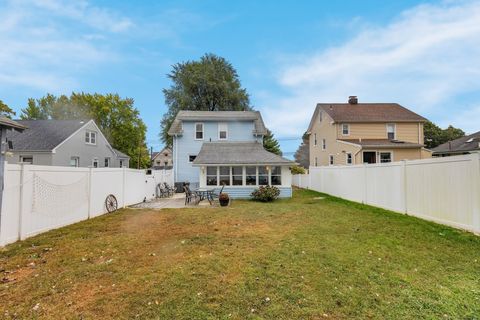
column 383, row 143
column 463, row 144
column 43, row 135
column 185, row 115
column 228, row 153
column 366, row 112
column 156, row 153
column 120, row 154
column 11, row 124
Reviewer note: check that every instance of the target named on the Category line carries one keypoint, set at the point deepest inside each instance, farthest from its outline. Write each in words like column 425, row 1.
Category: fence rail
column 40, row 198
column 444, row 190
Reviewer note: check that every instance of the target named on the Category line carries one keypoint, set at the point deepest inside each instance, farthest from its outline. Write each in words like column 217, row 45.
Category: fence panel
column 444, row 190
column 40, row 198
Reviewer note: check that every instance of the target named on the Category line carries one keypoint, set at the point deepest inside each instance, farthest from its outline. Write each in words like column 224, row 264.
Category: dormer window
column 90, row 137
column 391, row 131
column 198, row 131
column 222, row 131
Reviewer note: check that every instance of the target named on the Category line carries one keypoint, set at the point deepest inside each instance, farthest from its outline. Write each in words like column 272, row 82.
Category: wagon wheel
column 111, row 203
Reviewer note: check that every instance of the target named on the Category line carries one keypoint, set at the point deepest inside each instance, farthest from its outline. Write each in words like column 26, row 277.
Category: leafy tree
column 271, row 144
column 435, row 136
column 117, row 117
column 210, row 84
column 302, row 155
column 6, row 111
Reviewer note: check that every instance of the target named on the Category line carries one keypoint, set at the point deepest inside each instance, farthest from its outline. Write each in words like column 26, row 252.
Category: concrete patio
column 176, row 201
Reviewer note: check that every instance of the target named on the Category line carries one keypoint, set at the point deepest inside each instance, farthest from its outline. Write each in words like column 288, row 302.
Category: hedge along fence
column 444, row 190
column 40, row 198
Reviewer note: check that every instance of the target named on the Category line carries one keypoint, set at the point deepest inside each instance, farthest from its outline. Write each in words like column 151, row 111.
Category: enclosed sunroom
column 242, row 167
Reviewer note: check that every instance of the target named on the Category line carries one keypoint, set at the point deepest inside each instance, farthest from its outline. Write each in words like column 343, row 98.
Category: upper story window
column 345, row 129
column 314, row 139
column 324, row 144
column 222, row 131
column 391, row 131
column 198, row 131
column 331, row 160
column 90, row 137
column 320, row 116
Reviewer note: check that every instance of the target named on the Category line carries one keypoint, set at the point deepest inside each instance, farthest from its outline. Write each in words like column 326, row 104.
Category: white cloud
column 425, row 59
column 46, row 44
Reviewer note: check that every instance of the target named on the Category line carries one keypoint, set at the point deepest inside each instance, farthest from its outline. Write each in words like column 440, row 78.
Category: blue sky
column 289, row 54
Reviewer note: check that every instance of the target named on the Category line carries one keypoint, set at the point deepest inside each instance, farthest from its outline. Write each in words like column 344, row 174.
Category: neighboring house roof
column 43, row 135
column 382, row 143
column 155, row 154
column 184, row 115
column 463, row 144
column 366, row 112
column 120, row 154
column 11, row 124
column 228, row 153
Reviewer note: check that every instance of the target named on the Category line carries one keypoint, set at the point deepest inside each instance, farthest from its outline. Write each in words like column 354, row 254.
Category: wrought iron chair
column 190, row 196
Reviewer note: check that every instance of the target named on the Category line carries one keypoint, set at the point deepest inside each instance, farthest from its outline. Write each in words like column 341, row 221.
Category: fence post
column 365, row 184
column 405, row 188
column 124, row 172
column 476, row 191
column 90, row 172
column 20, row 204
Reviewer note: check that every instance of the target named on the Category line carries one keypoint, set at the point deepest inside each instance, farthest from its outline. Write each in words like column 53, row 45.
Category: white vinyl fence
column 444, row 190
column 40, row 198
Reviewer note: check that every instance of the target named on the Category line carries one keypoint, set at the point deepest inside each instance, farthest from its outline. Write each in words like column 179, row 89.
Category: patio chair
column 160, row 191
column 190, row 196
column 171, row 190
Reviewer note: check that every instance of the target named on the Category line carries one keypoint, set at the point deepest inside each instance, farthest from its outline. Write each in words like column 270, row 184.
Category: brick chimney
column 352, row 100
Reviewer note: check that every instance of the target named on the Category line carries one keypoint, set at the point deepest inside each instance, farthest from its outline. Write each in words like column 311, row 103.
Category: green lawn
column 302, row 258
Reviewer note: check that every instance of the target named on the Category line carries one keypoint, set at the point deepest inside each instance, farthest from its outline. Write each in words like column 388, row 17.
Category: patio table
column 205, row 193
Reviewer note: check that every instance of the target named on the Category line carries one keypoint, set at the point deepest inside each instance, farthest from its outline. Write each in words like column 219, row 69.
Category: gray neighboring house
column 463, row 145
column 162, row 160
column 75, row 143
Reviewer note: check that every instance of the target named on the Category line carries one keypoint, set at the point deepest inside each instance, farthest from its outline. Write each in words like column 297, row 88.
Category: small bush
column 265, row 193
column 297, row 170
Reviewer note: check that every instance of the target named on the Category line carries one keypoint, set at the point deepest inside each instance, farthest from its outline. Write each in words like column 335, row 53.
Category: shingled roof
column 228, row 153
column 43, row 135
column 366, row 112
column 460, row 145
column 185, row 115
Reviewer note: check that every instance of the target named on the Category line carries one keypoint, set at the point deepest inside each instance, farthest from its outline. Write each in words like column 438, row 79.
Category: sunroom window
column 211, row 176
column 251, row 176
column 262, row 176
column 237, row 176
column 224, row 176
column 276, row 176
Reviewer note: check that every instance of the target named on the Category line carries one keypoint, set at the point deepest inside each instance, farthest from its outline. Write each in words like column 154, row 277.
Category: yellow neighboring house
column 356, row 133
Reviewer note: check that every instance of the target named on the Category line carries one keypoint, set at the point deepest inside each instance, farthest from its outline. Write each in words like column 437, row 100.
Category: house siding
column 186, row 144
column 245, row 192
column 332, row 132
column 76, row 147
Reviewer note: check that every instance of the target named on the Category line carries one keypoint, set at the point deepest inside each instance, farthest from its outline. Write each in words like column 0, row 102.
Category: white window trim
column 244, row 176
column 324, row 144
column 95, row 160
column 195, row 131
column 77, row 160
column 220, row 124
column 23, row 157
column 107, row 161
column 385, row 151
column 394, row 130
column 346, row 158
column 90, row 133
column 121, row 163
column 348, row 129
column 331, row 159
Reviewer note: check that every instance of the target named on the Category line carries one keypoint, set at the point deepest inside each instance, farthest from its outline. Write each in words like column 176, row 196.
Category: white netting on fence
column 58, row 200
